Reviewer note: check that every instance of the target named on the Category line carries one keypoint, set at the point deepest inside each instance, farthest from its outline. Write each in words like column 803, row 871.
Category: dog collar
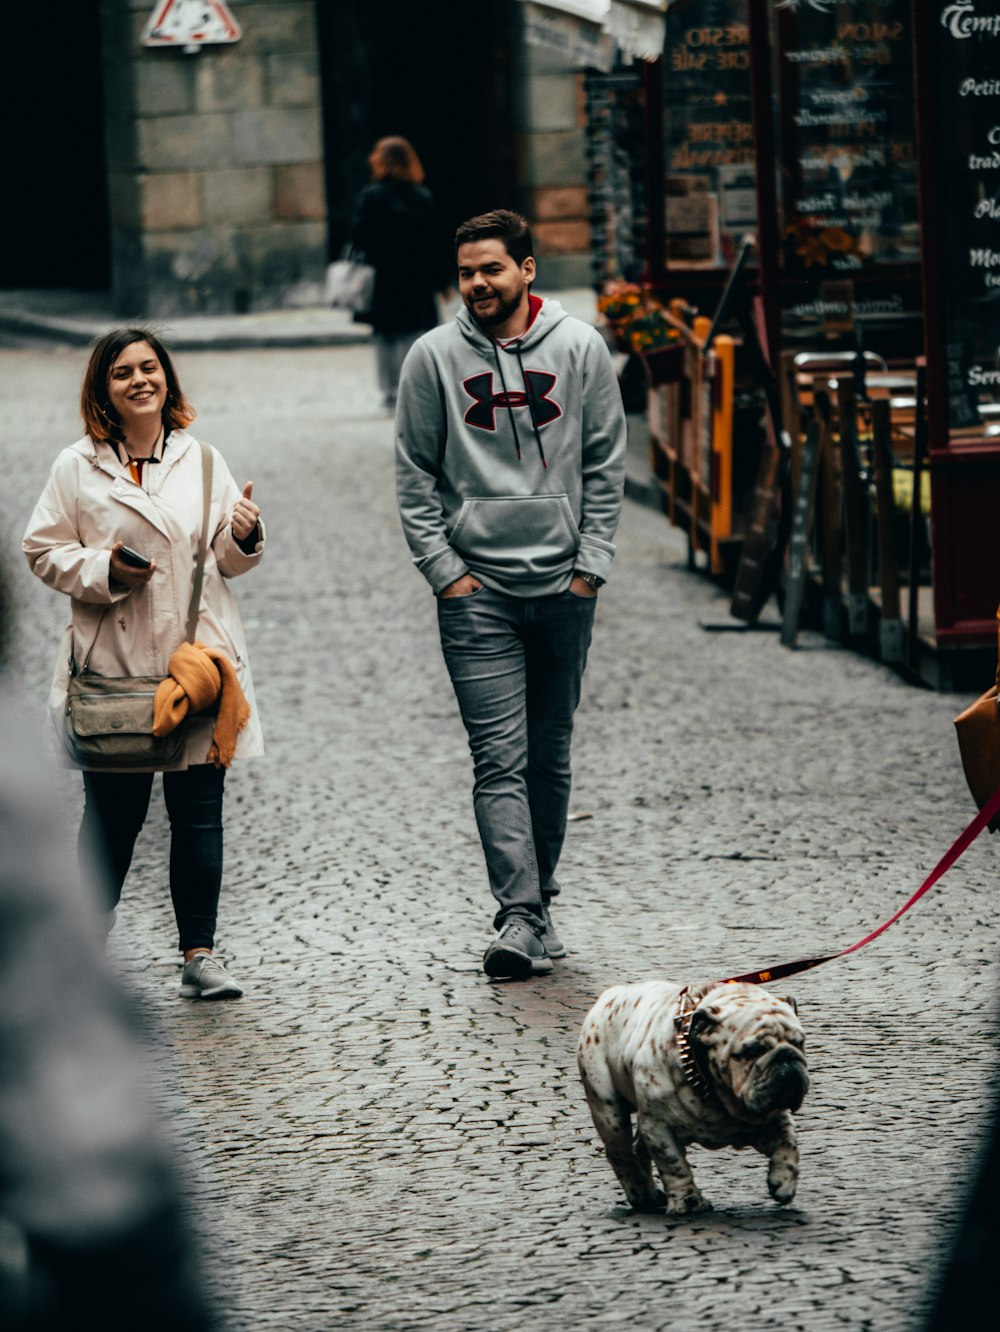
column 693, row 1062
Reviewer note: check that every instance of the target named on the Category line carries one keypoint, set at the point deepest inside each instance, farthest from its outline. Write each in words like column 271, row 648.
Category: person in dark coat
column 398, row 230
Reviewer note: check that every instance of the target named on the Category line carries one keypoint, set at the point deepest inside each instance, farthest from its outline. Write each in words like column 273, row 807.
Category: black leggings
column 114, row 812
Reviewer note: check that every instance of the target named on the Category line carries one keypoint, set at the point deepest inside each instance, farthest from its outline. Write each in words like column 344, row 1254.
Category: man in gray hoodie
column 510, row 463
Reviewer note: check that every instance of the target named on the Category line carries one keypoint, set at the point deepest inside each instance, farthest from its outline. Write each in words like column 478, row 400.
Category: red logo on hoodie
column 538, row 384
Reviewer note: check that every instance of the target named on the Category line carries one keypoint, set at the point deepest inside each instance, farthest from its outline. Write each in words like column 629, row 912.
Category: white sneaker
column 206, row 978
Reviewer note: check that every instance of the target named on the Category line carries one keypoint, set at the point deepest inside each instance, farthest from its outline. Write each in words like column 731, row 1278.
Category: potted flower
column 658, row 342
column 619, row 302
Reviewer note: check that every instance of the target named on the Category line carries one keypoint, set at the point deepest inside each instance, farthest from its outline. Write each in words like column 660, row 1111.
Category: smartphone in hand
column 129, row 556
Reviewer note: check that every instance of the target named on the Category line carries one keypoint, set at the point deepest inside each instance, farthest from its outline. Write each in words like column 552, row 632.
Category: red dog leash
column 958, row 848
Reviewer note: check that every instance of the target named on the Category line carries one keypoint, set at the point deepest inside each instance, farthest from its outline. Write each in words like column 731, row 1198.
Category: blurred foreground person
column 84, row 1177
column 398, row 231
column 965, row 1291
column 119, row 529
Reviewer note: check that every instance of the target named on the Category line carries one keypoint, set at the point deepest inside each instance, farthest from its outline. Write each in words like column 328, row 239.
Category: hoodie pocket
column 523, row 537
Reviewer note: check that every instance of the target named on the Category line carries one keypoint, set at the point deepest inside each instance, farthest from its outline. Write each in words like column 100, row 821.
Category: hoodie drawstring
column 527, row 398
column 531, row 410
column 510, row 410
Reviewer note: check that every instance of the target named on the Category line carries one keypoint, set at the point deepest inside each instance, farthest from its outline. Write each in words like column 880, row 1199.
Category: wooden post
column 798, row 546
column 791, row 411
column 891, row 637
column 829, row 513
column 722, row 447
column 701, row 437
column 765, row 160
column 855, row 511
column 919, row 455
column 656, row 195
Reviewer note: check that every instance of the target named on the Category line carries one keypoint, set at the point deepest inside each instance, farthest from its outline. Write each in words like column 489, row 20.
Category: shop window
column 960, row 97
column 850, row 239
column 710, row 183
column 615, row 128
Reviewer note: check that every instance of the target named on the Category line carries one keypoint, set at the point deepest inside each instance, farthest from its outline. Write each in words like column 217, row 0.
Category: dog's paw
column 685, row 1204
column 649, row 1202
column 782, row 1181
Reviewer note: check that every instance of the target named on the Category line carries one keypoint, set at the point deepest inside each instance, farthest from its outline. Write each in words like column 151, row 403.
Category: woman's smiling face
column 137, row 385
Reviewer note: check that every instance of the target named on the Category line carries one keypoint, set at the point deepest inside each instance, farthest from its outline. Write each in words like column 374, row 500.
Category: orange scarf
column 198, row 677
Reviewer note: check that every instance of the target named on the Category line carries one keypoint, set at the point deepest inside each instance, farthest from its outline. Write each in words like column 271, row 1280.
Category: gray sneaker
column 554, row 946
column 206, row 978
column 516, row 952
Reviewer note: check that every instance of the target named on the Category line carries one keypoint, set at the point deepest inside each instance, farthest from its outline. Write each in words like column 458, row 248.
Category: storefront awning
column 636, row 27
column 587, row 32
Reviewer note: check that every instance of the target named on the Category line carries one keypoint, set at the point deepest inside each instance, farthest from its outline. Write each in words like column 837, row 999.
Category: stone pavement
column 379, row 1138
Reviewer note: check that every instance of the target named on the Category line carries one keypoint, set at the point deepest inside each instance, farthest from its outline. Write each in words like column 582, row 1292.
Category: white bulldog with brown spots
column 722, row 1065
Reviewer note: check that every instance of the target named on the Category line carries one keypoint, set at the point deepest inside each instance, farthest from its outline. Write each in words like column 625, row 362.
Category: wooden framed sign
column 710, row 182
column 847, row 148
column 958, row 103
column 960, row 114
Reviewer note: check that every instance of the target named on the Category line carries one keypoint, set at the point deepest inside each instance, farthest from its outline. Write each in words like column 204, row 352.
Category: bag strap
column 194, row 605
column 73, row 669
column 199, row 570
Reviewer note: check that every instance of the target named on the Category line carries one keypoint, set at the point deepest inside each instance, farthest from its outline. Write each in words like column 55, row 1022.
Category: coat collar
column 104, row 458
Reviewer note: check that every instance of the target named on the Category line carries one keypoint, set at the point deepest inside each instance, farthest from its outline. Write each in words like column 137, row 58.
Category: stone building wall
column 552, row 165
column 215, row 164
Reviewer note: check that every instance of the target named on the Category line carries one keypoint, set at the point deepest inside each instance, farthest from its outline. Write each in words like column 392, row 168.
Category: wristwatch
column 592, row 580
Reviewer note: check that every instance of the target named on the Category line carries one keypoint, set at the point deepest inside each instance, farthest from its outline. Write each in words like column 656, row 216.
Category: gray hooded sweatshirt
column 510, row 458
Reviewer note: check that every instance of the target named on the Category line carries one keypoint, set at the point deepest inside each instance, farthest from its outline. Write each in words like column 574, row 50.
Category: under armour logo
column 538, row 384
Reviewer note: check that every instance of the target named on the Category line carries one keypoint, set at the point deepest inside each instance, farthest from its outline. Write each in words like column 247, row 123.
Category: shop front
column 819, row 295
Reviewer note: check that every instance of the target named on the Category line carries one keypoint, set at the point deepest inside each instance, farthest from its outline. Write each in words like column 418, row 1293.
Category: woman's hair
column 502, row 224
column 394, row 159
column 100, row 419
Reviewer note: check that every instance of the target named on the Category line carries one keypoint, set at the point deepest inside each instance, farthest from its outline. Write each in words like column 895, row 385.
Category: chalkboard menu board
column 964, row 72
column 848, row 157
column 710, row 181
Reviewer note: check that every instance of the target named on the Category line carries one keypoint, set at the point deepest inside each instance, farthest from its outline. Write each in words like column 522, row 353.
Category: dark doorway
column 439, row 75
column 54, row 225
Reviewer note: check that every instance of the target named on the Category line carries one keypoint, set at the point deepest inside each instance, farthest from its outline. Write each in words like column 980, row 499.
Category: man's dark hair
column 500, row 224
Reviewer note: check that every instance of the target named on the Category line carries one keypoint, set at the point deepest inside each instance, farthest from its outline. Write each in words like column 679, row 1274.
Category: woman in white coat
column 135, row 480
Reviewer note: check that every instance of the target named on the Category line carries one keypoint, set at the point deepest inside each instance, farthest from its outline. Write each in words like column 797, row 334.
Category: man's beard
column 503, row 311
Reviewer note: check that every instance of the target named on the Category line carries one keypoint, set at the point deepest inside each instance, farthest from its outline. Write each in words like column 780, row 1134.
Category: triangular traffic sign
column 190, row 23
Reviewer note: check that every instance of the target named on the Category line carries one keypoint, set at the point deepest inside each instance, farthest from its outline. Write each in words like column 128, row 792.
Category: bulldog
column 722, row 1065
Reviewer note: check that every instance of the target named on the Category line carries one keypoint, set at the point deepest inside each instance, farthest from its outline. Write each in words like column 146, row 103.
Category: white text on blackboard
column 961, row 20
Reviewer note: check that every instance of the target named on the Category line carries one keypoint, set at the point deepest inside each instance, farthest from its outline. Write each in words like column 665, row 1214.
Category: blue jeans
column 517, row 665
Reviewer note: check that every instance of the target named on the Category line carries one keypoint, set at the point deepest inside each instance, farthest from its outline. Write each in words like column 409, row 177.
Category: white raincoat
column 89, row 503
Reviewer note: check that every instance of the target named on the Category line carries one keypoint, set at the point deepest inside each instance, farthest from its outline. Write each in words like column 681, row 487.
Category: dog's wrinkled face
column 754, row 1046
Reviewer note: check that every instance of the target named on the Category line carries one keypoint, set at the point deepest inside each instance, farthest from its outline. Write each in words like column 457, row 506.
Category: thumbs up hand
column 245, row 514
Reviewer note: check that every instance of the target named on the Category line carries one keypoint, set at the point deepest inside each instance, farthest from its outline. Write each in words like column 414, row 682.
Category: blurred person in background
column 397, row 229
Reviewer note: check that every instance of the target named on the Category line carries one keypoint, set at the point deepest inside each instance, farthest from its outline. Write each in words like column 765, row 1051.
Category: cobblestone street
column 377, row 1136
